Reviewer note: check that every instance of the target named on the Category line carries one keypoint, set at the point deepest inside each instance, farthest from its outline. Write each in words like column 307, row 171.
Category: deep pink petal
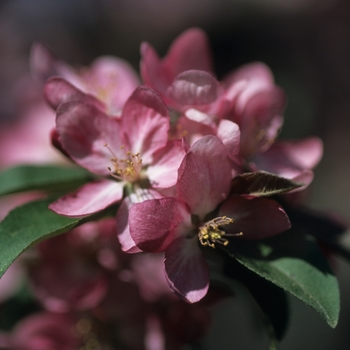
column 193, row 88
column 186, row 270
column 189, row 51
column 85, row 132
column 145, row 122
column 204, row 175
column 256, row 217
column 58, row 91
column 89, row 198
column 154, row 224
column 163, row 172
column 261, row 121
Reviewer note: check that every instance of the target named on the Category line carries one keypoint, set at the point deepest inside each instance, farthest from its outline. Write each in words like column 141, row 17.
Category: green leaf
column 261, row 183
column 41, row 177
column 27, row 225
column 272, row 300
column 293, row 262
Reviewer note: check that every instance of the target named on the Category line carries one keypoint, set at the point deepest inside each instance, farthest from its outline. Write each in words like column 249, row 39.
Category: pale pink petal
column 257, row 71
column 193, row 88
column 154, row 224
column 44, row 64
column 89, row 198
column 57, row 91
column 89, row 137
column 145, row 122
column 186, row 270
column 163, row 171
column 255, row 217
column 112, row 80
column 204, row 175
column 228, row 132
column 289, row 158
column 200, row 117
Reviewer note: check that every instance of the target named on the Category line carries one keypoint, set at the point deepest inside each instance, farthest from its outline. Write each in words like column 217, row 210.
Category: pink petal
column 261, row 121
column 84, row 131
column 154, row 224
column 145, row 121
column 44, row 64
column 204, row 175
column 89, row 198
column 193, row 88
column 189, row 51
column 186, row 270
column 163, row 172
column 112, row 80
column 288, row 158
column 258, row 72
column 256, row 217
column 57, row 91
column 123, row 229
column 228, row 132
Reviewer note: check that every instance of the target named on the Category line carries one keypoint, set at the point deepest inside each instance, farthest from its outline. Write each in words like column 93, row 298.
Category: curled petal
column 84, row 131
column 204, row 175
column 194, row 87
column 154, row 224
column 228, row 132
column 255, row 217
column 88, row 199
column 186, row 270
column 58, row 91
column 145, row 122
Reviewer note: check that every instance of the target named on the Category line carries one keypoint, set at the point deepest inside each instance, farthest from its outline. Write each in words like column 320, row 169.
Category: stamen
column 128, row 168
column 210, row 234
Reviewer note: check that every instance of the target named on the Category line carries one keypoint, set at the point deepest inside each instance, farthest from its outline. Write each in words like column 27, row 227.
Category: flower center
column 209, row 234
column 125, row 169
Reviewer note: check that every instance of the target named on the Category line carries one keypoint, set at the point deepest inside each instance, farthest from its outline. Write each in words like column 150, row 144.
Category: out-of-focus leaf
column 293, row 262
column 27, row 225
column 41, row 177
column 261, row 183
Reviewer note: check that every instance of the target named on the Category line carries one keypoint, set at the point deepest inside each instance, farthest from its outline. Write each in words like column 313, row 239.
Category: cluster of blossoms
column 178, row 155
column 167, row 151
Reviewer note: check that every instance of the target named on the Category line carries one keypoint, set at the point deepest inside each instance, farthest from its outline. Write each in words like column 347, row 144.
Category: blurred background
column 306, row 43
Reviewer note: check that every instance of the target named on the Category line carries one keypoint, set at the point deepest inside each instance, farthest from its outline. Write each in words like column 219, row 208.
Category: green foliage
column 27, row 225
column 293, row 262
column 41, row 178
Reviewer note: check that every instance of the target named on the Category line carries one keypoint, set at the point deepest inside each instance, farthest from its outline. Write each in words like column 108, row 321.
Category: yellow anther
column 209, row 234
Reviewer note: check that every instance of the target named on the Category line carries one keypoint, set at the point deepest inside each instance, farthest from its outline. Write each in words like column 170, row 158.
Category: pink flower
column 174, row 225
column 43, row 331
column 131, row 150
column 185, row 76
column 109, row 80
column 68, row 274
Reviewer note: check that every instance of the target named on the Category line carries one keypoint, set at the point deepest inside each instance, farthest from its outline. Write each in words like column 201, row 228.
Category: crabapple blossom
column 131, row 150
column 175, row 225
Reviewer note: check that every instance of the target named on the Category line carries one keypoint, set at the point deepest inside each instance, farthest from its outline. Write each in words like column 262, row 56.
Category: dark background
column 305, row 42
